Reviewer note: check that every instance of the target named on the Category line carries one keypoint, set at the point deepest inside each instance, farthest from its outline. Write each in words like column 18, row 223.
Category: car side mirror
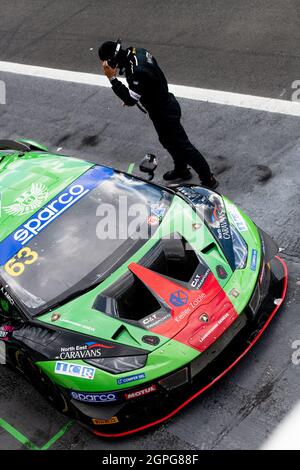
column 149, row 165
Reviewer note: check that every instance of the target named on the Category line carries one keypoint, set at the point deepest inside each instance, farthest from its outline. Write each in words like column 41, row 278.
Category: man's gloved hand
column 108, row 71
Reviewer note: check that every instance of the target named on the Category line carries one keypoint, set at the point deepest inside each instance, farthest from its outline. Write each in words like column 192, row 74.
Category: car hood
column 181, row 270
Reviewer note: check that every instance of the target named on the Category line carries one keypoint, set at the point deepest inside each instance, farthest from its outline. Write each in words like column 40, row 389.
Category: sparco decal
column 93, row 397
column 57, row 206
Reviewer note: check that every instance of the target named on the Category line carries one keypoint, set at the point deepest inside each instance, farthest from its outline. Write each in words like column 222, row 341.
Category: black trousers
column 174, row 139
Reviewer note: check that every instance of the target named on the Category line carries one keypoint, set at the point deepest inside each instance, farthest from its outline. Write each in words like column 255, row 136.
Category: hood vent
column 122, row 335
column 131, row 300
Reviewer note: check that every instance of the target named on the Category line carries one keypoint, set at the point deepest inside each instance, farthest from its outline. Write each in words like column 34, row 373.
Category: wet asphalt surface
column 256, row 156
column 245, row 47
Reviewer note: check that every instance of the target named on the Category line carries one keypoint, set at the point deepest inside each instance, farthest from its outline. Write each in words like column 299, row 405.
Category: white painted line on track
column 258, row 103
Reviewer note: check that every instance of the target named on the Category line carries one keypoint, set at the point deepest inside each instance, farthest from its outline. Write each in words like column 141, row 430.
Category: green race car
column 122, row 300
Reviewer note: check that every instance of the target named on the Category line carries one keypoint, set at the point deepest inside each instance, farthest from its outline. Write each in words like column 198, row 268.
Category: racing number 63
column 16, row 265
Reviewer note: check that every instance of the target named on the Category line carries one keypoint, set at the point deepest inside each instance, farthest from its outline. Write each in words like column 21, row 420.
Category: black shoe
column 212, row 183
column 178, row 174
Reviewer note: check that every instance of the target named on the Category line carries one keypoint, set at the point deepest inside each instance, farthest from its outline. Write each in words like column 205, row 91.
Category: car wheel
column 44, row 384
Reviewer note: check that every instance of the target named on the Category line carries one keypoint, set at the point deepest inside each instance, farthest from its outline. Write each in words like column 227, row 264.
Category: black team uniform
column 148, row 85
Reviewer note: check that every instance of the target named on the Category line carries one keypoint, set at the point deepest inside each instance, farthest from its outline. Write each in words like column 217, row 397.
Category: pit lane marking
column 27, row 443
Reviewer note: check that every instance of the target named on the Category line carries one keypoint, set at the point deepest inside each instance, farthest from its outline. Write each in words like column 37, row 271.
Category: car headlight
column 239, row 247
column 117, row 365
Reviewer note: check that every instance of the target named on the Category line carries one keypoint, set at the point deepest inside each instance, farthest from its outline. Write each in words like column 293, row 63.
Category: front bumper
column 171, row 393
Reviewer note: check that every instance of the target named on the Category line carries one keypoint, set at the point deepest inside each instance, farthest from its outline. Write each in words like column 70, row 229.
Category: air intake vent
column 129, row 299
column 172, row 257
column 132, row 300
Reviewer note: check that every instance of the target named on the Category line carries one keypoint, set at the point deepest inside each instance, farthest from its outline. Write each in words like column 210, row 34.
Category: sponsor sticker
column 158, row 211
column 99, row 422
column 18, row 264
column 85, row 351
column 93, row 397
column 7, row 296
column 192, row 305
column 253, row 260
column 215, row 214
column 155, row 319
column 80, row 325
column 5, row 331
column 28, row 201
column 75, row 370
column 131, row 378
column 237, row 218
column 153, row 220
column 140, row 393
column 221, row 225
column 54, row 209
column 235, row 293
column 214, row 327
column 179, row 298
column 199, row 279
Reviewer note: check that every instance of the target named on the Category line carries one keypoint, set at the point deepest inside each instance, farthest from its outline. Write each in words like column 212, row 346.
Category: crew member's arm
column 129, row 97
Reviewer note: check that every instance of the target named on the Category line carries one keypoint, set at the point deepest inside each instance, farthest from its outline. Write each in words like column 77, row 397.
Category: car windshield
column 88, row 239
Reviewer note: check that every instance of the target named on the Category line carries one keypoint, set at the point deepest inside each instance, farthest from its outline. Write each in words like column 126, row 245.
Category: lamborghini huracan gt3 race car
column 123, row 300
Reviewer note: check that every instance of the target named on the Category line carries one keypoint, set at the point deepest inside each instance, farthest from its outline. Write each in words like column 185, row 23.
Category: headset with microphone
column 113, row 62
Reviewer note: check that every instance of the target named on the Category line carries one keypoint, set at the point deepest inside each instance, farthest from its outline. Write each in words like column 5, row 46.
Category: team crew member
column 148, row 86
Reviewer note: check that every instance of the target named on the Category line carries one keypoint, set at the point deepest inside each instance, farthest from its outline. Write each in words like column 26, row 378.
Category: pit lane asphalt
column 232, row 45
column 243, row 146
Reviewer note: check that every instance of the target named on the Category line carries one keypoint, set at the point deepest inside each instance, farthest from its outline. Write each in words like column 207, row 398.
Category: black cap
column 107, row 50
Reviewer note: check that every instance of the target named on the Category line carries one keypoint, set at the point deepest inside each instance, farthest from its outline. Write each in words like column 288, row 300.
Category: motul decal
column 140, row 393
